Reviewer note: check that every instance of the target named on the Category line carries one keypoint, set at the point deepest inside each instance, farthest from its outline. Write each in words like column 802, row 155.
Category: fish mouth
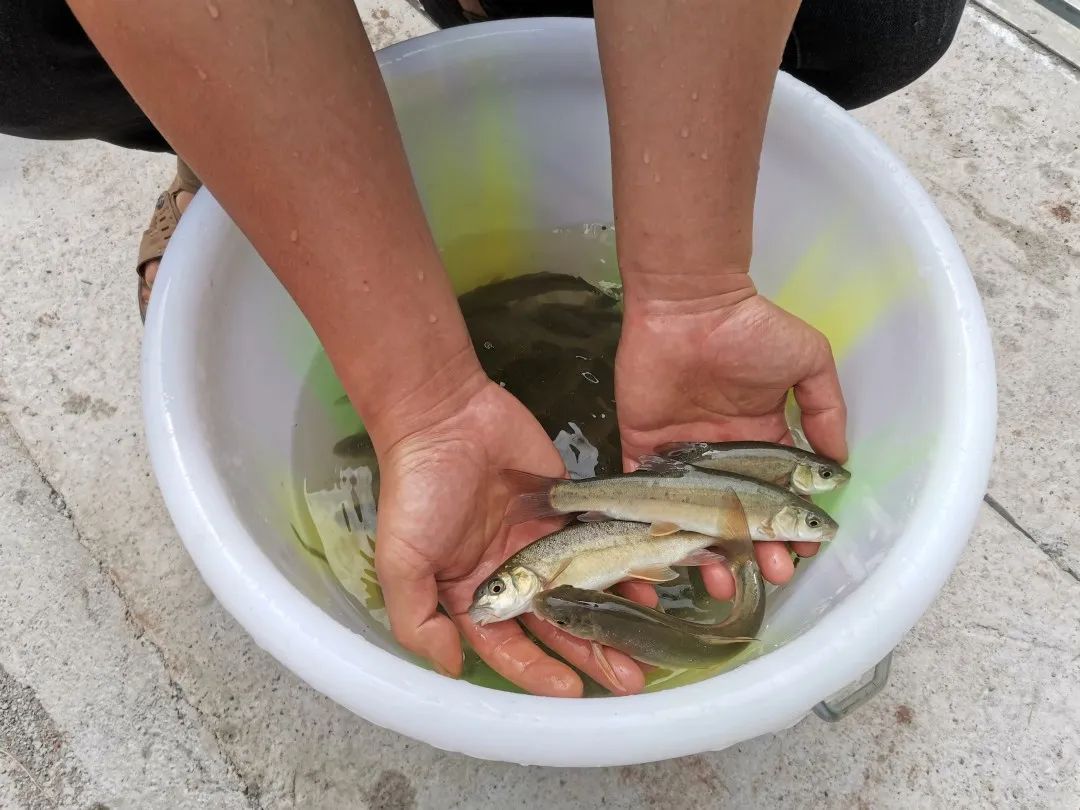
column 482, row 615
column 840, row 478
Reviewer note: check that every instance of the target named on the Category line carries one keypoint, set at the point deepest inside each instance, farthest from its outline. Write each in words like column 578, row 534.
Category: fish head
column 804, row 522
column 505, row 594
column 563, row 608
column 818, row 475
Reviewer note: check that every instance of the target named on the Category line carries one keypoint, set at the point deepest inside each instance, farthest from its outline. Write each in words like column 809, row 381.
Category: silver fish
column 671, row 495
column 642, row 633
column 804, row 472
column 590, row 555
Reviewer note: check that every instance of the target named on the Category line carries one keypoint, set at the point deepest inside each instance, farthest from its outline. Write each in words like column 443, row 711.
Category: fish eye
column 496, row 587
column 826, row 473
column 561, row 622
column 813, row 522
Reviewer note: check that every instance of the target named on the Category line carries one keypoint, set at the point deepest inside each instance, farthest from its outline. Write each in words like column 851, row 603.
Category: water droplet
column 588, row 375
column 212, row 10
column 420, row 275
column 201, row 72
column 488, row 344
column 705, row 154
column 432, row 318
column 656, row 177
column 294, row 235
column 684, row 132
column 693, row 95
column 502, row 384
column 365, row 286
column 645, row 158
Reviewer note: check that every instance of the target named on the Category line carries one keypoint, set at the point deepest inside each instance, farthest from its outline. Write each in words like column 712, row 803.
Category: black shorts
column 54, row 85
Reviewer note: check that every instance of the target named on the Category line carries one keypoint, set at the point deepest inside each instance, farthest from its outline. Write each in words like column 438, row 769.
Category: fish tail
column 660, row 464
column 530, row 496
column 679, row 450
column 748, row 609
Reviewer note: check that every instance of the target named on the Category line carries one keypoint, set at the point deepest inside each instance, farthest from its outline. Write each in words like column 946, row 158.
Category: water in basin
column 548, row 333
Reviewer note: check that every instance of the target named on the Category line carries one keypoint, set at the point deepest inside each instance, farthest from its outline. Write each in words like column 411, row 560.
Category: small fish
column 642, row 633
column 654, row 637
column 671, row 496
column 589, row 555
column 804, row 472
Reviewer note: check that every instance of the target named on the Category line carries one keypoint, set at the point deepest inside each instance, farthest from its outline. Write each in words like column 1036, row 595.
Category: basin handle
column 834, row 711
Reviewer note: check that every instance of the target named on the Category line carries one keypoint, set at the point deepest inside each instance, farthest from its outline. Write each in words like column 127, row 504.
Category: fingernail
column 444, row 671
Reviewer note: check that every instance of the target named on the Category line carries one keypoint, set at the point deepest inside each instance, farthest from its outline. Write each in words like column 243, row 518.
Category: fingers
column 641, row 592
column 411, row 604
column 774, row 561
column 718, row 582
column 824, row 414
column 805, row 549
column 509, row 652
column 630, row 679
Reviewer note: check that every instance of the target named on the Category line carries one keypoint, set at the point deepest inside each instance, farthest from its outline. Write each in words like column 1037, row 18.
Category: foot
column 150, row 269
column 170, row 205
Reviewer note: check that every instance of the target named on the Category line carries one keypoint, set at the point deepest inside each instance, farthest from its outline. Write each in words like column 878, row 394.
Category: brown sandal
column 162, row 224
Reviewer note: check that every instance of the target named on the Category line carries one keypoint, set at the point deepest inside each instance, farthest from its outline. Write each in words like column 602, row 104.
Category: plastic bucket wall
column 506, row 132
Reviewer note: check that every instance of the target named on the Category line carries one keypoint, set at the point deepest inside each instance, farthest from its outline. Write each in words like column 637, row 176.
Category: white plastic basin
column 506, row 131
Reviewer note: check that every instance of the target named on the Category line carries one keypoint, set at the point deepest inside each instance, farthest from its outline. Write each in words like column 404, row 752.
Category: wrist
column 683, row 288
column 409, row 399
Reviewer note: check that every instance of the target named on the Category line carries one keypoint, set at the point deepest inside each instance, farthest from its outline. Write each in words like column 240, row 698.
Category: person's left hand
column 694, row 371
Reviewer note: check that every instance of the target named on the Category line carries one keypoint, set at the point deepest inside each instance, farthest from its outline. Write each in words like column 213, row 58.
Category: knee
column 931, row 35
column 880, row 49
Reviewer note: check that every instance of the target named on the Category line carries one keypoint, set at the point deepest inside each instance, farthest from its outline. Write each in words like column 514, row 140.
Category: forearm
column 281, row 110
column 688, row 86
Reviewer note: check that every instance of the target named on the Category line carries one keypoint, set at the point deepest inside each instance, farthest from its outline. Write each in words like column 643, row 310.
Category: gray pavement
column 123, row 684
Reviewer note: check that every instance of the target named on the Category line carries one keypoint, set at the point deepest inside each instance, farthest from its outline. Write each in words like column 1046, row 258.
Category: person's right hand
column 441, row 533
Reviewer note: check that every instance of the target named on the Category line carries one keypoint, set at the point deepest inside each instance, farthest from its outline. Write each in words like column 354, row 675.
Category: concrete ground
column 123, row 684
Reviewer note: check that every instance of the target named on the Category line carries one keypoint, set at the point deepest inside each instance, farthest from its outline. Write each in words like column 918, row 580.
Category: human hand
column 721, row 371
column 441, row 533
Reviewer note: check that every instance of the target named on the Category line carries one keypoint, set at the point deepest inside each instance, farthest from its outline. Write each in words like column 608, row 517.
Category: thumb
column 412, row 601
column 824, row 414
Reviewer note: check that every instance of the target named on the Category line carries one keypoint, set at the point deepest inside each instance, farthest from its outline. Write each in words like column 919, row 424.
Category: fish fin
column 702, row 556
column 767, row 529
column 530, row 496
column 663, row 528
column 558, row 572
column 733, row 523
column 659, row 464
column 593, row 517
column 655, row 573
column 675, row 448
column 606, row 668
column 802, row 479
